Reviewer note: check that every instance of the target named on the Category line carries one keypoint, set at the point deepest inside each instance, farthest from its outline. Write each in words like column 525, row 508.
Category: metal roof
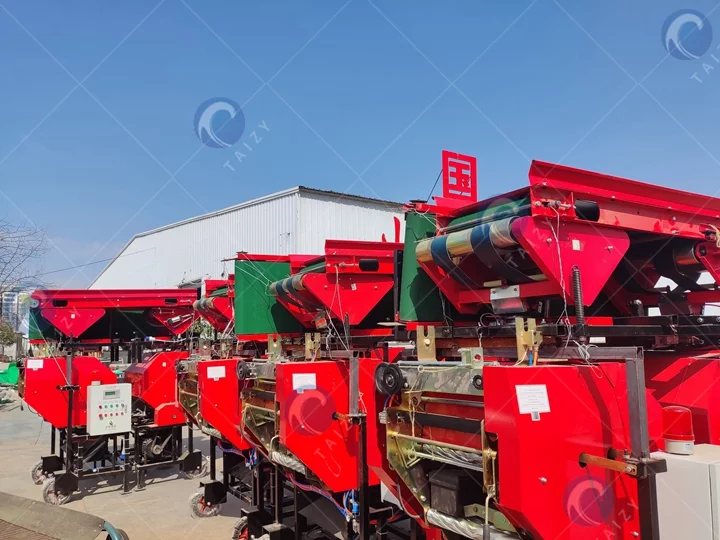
column 297, row 189
column 338, row 197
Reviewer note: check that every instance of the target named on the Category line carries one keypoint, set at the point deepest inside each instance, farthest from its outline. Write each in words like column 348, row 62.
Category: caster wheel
column 52, row 495
column 201, row 471
column 202, row 510
column 36, row 474
column 240, row 532
column 123, row 535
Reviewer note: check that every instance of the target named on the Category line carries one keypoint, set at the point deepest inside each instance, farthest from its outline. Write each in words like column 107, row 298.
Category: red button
column 100, row 415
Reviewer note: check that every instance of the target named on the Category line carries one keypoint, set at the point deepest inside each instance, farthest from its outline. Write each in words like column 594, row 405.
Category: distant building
column 296, row 220
column 15, row 308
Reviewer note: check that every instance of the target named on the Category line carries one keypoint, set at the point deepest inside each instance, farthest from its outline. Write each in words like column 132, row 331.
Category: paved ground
column 160, row 512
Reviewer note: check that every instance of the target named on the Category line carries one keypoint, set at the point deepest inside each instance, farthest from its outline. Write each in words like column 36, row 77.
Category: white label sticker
column 303, row 381
column 576, row 244
column 35, row 363
column 532, row 399
column 216, row 372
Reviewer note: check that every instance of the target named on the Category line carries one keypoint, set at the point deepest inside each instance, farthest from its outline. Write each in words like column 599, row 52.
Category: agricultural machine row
column 538, row 365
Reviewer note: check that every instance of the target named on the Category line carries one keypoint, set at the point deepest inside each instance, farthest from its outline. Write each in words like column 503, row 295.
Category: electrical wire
column 306, row 487
column 434, row 186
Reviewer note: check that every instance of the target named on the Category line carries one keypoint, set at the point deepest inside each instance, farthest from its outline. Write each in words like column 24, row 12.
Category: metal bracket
column 312, row 345
column 528, row 341
column 489, row 457
column 426, row 344
column 274, row 348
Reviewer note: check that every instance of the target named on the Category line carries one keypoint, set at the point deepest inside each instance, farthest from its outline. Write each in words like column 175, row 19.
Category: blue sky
column 98, row 99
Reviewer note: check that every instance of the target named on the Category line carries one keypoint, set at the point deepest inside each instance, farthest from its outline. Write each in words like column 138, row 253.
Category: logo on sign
column 459, row 176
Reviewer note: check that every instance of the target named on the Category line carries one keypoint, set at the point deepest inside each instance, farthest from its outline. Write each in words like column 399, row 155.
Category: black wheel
column 54, row 496
column 389, row 379
column 36, row 473
column 201, row 471
column 200, row 509
column 240, row 532
column 121, row 534
column 243, row 371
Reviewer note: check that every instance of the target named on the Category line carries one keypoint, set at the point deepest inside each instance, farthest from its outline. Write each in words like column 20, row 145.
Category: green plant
column 7, row 334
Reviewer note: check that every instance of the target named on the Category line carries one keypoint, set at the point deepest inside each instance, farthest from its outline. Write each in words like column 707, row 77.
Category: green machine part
column 256, row 311
column 419, row 296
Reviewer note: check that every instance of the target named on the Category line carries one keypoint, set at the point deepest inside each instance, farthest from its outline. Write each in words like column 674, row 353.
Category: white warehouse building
column 297, row 220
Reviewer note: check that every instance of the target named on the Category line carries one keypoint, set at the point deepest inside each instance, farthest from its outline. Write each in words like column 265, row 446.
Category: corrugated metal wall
column 195, row 249
column 322, row 216
column 295, row 222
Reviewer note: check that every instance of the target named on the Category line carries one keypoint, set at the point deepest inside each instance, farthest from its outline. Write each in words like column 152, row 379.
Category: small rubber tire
column 36, row 473
column 240, row 532
column 201, row 472
column 200, row 509
column 121, row 533
column 52, row 496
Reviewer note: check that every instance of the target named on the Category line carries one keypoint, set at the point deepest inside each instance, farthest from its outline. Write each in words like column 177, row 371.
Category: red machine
column 90, row 321
column 692, row 381
column 216, row 306
column 525, row 399
column 43, row 379
column 154, row 385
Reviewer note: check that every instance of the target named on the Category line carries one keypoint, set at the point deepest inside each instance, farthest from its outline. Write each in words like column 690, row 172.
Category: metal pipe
column 468, row 528
column 515, row 212
column 439, row 459
column 413, row 363
column 437, row 443
column 354, row 406
column 446, row 401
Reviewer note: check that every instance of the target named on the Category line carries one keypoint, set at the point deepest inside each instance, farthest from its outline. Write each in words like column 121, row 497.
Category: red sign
column 459, row 176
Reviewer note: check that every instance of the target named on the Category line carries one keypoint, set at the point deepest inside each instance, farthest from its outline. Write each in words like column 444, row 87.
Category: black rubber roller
column 389, row 379
column 243, row 371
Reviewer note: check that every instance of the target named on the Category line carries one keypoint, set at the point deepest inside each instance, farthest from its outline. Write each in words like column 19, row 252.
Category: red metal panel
column 309, row 393
column 43, row 376
column 543, row 488
column 114, row 298
column 690, row 381
column 220, row 403
column 154, row 381
column 595, row 251
column 72, row 321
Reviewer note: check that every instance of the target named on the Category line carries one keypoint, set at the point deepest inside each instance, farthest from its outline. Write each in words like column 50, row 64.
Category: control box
column 109, row 408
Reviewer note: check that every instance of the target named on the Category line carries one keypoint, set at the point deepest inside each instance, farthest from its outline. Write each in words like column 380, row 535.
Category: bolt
column 635, row 534
column 544, row 184
column 406, row 385
column 548, row 240
column 628, row 469
column 669, row 207
column 717, row 319
column 543, row 480
column 673, row 218
column 414, row 490
column 610, row 248
column 538, row 203
column 423, row 498
column 700, row 320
